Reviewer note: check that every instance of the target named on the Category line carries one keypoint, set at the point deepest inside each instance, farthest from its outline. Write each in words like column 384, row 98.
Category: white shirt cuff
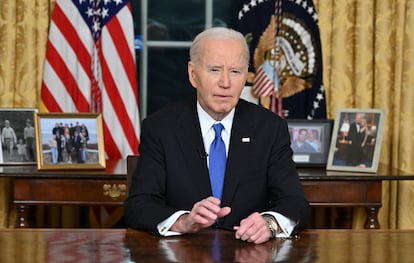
column 164, row 226
column 285, row 224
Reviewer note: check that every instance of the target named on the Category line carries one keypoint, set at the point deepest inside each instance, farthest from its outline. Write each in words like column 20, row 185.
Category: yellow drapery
column 368, row 59
column 368, row 55
column 23, row 34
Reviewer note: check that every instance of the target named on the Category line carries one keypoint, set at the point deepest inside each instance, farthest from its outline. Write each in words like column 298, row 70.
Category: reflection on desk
column 218, row 246
column 120, row 245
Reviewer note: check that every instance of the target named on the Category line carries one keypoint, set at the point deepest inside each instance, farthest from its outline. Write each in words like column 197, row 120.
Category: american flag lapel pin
column 246, row 139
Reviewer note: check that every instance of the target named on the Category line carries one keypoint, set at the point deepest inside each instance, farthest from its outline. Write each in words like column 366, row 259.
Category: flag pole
column 276, row 102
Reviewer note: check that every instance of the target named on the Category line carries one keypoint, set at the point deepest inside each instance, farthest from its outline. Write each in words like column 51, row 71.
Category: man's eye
column 235, row 71
column 214, row 69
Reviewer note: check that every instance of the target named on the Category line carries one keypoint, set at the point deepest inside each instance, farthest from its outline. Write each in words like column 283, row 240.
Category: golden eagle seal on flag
column 285, row 70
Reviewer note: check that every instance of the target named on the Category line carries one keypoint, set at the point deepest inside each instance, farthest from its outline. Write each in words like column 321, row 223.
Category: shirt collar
column 206, row 121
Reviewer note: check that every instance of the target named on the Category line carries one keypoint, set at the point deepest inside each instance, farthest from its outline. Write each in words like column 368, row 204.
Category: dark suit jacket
column 172, row 171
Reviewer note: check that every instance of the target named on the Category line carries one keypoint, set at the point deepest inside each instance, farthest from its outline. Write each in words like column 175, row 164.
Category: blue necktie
column 217, row 161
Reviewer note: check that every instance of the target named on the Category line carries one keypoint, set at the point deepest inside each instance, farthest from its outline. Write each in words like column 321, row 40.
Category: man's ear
column 192, row 76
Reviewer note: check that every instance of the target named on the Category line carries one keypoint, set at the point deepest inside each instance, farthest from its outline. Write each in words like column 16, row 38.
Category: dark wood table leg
column 372, row 218
column 22, row 218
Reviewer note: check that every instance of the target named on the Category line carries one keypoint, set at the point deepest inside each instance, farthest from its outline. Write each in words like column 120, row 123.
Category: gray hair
column 217, row 33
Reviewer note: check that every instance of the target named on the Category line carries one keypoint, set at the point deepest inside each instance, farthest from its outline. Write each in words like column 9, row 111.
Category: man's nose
column 225, row 79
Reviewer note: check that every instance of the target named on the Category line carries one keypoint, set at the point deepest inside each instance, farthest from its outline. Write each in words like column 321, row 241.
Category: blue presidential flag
column 286, row 56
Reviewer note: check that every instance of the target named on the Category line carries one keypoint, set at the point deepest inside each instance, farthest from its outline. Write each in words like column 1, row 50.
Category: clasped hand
column 207, row 211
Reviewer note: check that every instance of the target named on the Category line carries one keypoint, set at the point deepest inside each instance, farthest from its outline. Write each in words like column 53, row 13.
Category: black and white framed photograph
column 69, row 141
column 356, row 140
column 310, row 141
column 18, row 137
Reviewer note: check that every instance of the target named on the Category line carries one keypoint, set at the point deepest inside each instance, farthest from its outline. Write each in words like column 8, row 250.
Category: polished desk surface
column 120, row 245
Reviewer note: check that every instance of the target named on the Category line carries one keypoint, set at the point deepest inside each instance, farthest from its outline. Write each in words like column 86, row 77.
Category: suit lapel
column 189, row 136
column 238, row 148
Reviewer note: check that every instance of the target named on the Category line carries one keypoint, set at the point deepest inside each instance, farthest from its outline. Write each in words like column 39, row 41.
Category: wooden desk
column 347, row 190
column 88, row 187
column 120, row 245
column 108, row 187
column 344, row 190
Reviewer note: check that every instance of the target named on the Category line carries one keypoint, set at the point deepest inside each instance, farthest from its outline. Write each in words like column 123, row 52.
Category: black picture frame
column 22, row 149
column 311, row 152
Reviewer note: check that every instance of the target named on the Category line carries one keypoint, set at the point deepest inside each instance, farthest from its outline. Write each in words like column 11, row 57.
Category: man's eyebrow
column 214, row 66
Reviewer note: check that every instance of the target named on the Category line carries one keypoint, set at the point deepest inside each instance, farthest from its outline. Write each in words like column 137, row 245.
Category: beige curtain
column 368, row 54
column 23, row 35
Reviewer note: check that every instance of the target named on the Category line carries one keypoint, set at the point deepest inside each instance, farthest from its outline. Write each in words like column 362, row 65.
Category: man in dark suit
column 356, row 140
column 171, row 193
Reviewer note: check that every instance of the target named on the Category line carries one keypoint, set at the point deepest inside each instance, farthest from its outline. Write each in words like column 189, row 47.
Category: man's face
column 302, row 136
column 311, row 136
column 358, row 117
column 219, row 76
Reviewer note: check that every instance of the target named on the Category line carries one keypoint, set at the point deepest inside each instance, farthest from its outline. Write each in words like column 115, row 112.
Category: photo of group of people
column 18, row 139
column 50, row 139
column 67, row 141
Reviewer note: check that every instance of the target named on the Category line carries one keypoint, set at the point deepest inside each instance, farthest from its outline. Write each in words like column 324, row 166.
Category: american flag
column 264, row 80
column 90, row 67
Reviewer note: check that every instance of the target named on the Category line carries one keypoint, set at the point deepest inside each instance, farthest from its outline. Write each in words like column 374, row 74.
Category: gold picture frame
column 69, row 141
column 356, row 140
column 17, row 136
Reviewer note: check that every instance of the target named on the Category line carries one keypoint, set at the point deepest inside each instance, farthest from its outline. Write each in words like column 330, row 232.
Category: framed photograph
column 69, row 141
column 356, row 140
column 18, row 137
column 310, row 141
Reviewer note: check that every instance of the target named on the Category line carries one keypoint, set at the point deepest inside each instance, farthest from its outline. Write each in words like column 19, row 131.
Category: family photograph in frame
column 356, row 140
column 69, row 141
column 18, row 137
column 310, row 141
